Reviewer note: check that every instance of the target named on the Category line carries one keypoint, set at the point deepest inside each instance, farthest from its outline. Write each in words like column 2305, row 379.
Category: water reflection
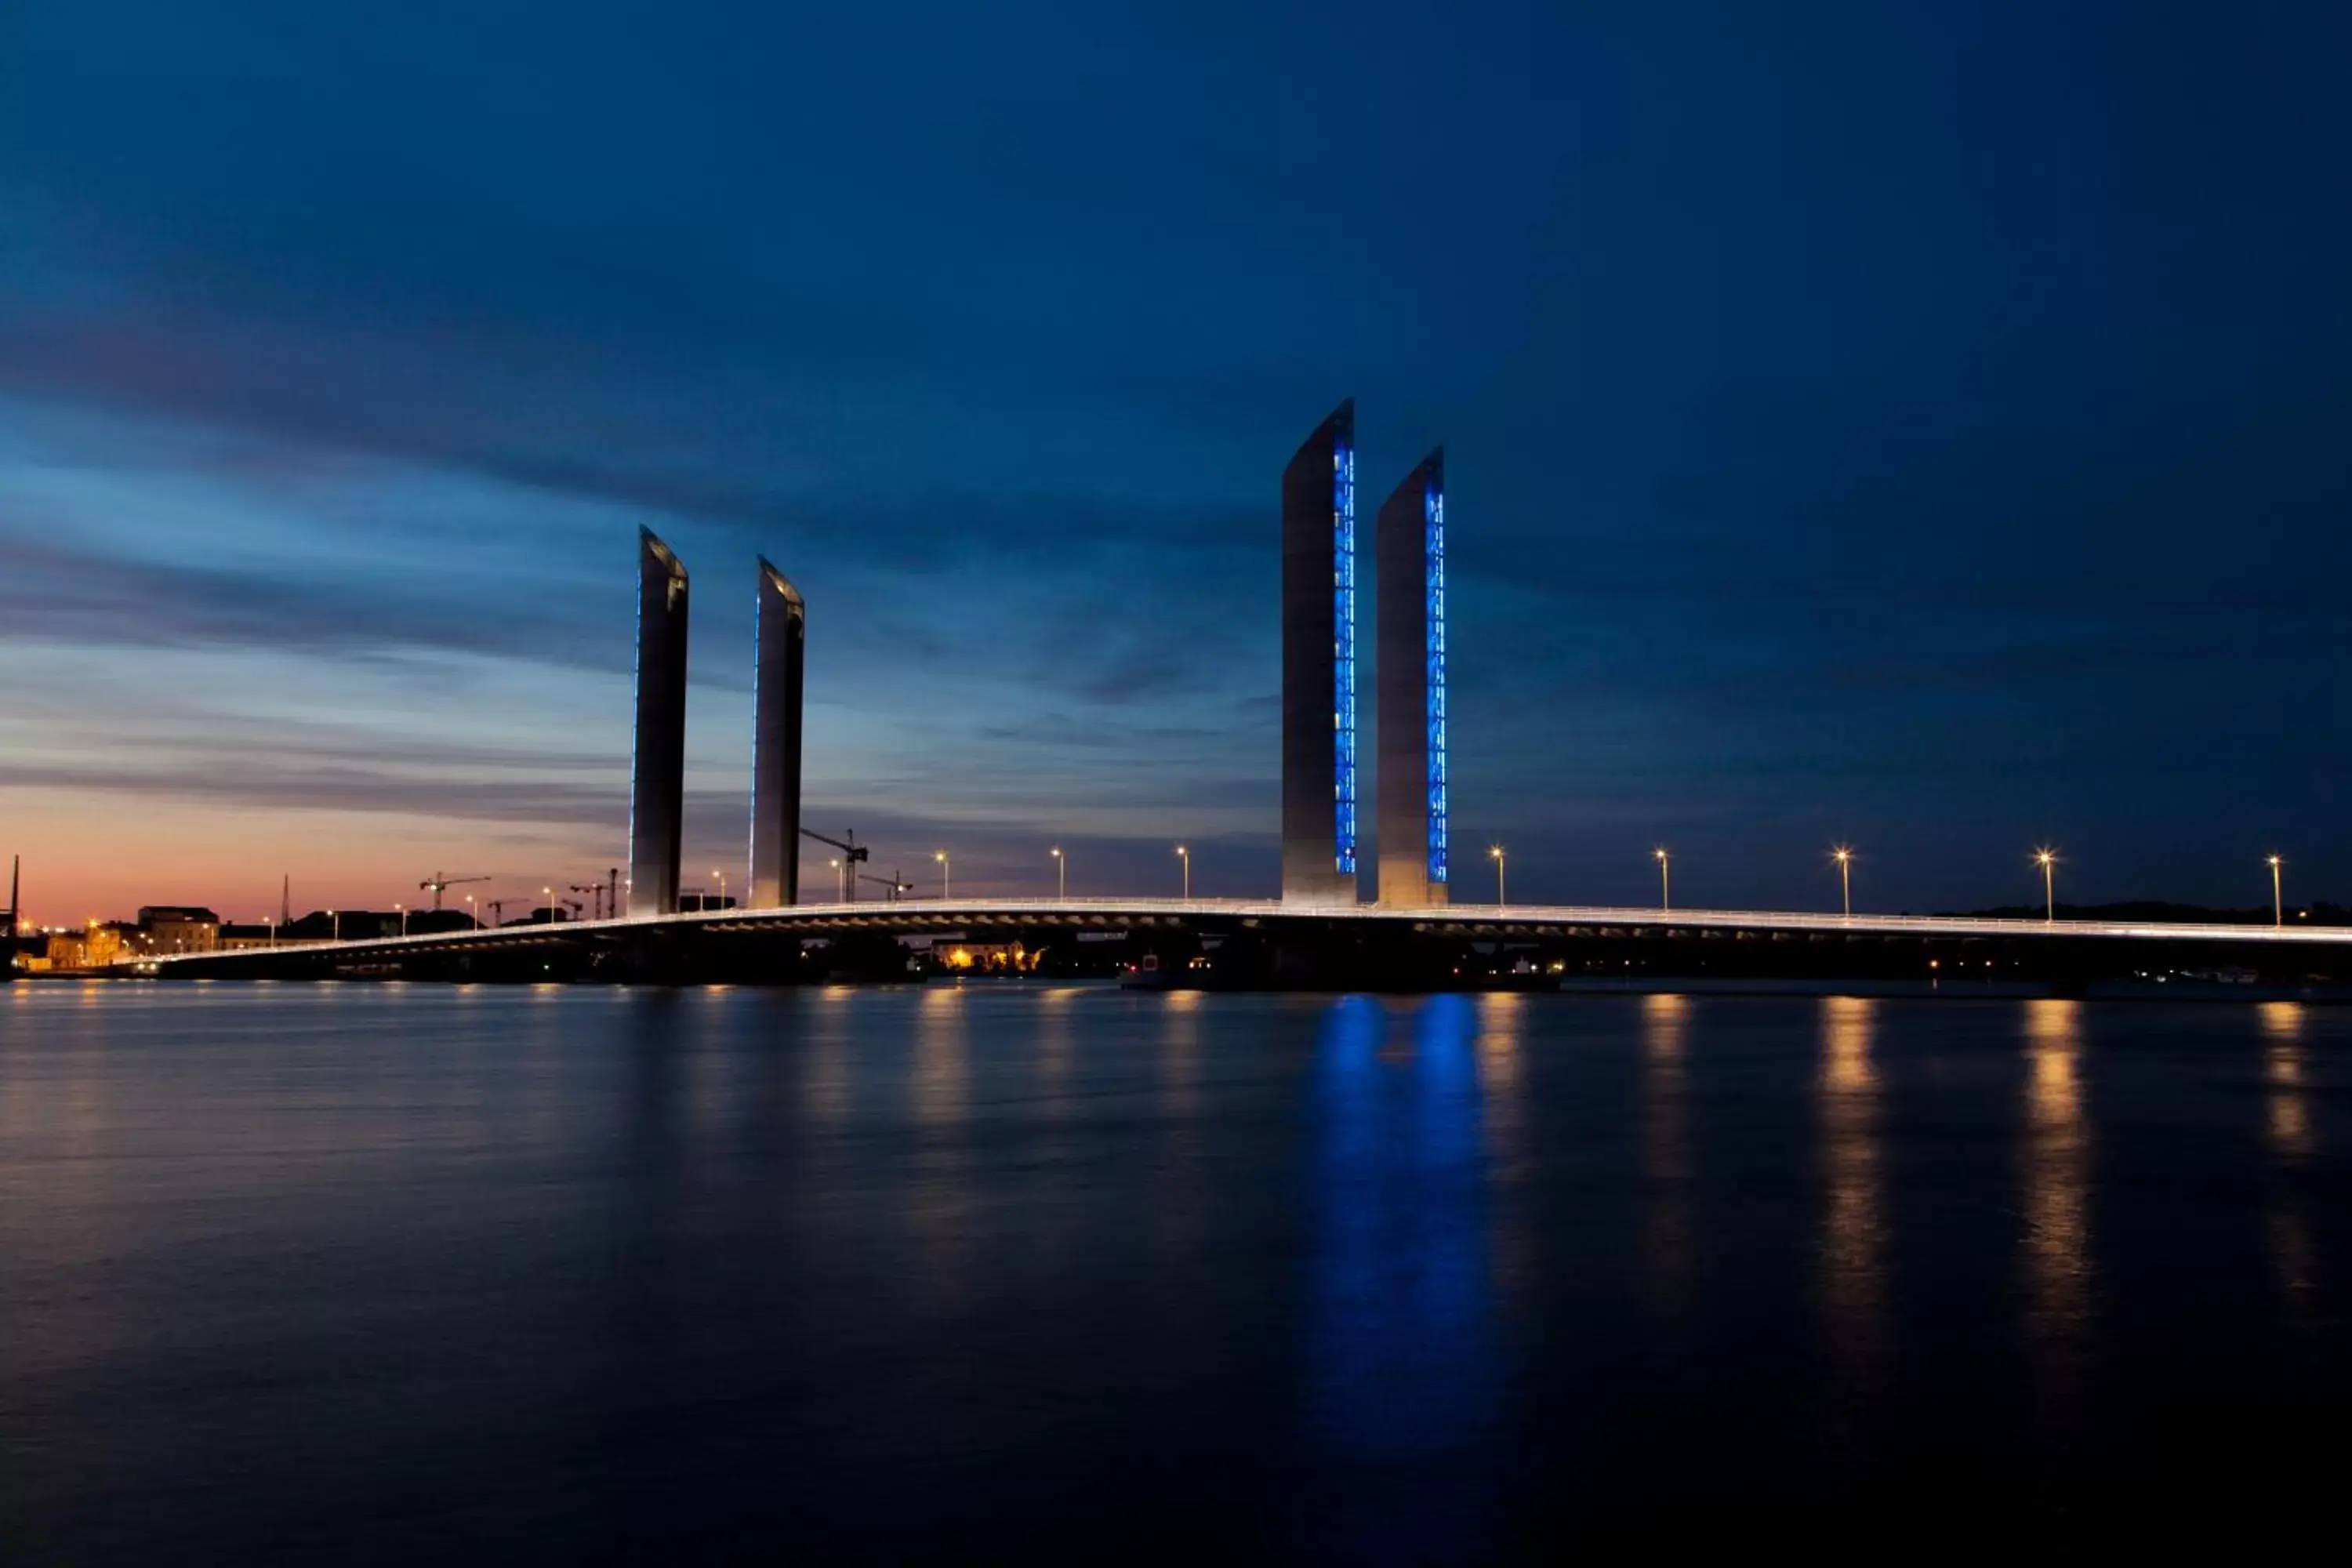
column 1401, row 1331
column 1669, row 1249
column 2282, row 1073
column 1501, row 1023
column 1177, row 1198
column 1055, row 1032
column 939, row 1324
column 1179, row 1057
column 942, row 1075
column 2056, row 1181
column 1854, row 1227
column 2285, row 1221
column 940, row 1197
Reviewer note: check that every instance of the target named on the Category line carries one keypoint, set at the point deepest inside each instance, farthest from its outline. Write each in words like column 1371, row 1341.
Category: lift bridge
column 1410, row 929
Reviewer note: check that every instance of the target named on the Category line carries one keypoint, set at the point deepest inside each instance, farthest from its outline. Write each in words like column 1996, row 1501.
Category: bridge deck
column 915, row 917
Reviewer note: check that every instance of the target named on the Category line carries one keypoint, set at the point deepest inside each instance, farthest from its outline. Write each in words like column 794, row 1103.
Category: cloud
column 262, row 786
column 56, row 593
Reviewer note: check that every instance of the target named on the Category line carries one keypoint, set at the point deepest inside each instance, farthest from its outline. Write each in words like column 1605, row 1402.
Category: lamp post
column 947, row 886
column 471, row 913
column 1185, row 856
column 722, row 887
column 1844, row 858
column 1061, row 873
column 273, row 929
column 1665, row 887
column 1495, row 853
column 2278, row 904
column 2048, row 860
column 402, row 911
column 840, row 887
column 335, row 922
column 550, row 893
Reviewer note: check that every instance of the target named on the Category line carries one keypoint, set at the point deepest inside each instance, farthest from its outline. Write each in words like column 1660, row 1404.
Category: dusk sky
column 1930, row 427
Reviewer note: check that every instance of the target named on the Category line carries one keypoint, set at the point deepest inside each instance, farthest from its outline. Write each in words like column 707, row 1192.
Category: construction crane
column 853, row 854
column 436, row 883
column 594, row 891
column 890, row 882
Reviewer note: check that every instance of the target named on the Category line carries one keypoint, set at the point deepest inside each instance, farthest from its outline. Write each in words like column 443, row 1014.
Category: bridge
column 1332, row 925
column 1366, row 945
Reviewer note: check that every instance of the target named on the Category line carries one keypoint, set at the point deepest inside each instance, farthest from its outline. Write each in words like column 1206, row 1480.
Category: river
column 411, row 1273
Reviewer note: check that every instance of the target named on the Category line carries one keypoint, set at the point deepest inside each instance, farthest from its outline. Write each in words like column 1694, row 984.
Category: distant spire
column 286, row 900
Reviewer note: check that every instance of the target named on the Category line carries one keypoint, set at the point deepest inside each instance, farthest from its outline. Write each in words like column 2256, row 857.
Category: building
column 94, row 946
column 778, row 664
column 342, row 925
column 178, row 927
column 657, row 769
column 955, row 955
column 1409, row 551
column 1319, row 666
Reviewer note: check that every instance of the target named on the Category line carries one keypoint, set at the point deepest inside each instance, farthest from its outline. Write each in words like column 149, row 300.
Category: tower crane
column 595, row 890
column 436, row 883
column 891, row 881
column 853, row 854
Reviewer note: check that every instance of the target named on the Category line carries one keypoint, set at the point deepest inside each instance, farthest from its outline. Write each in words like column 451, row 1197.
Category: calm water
column 411, row 1274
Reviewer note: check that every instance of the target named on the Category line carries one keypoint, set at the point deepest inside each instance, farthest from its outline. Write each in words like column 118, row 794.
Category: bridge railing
column 919, row 915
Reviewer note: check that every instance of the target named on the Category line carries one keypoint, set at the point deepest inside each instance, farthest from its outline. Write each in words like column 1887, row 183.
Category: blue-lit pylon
column 1434, row 513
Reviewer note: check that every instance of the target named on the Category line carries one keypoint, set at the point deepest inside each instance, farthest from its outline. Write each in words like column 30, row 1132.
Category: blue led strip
column 1343, row 633
column 1433, row 513
column 759, row 603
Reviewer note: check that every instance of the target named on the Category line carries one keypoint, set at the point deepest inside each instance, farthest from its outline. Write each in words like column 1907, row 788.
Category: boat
column 1148, row 974
column 1145, row 974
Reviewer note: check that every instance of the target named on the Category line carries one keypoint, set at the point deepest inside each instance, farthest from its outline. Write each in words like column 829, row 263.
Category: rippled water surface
column 420, row 1274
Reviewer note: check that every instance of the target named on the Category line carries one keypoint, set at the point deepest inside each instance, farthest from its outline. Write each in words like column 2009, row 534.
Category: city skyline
column 1947, row 489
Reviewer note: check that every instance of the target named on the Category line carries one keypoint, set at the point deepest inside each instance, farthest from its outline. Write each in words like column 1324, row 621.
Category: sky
column 1917, row 428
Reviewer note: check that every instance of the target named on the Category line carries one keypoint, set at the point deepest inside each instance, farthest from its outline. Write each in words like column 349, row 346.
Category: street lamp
column 470, row 913
column 1061, row 872
column 840, row 884
column 2278, row 905
column 1495, row 853
column 722, row 887
column 1844, row 856
column 2048, row 860
column 550, row 904
column 946, row 873
column 336, row 922
column 402, row 911
column 1666, row 889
